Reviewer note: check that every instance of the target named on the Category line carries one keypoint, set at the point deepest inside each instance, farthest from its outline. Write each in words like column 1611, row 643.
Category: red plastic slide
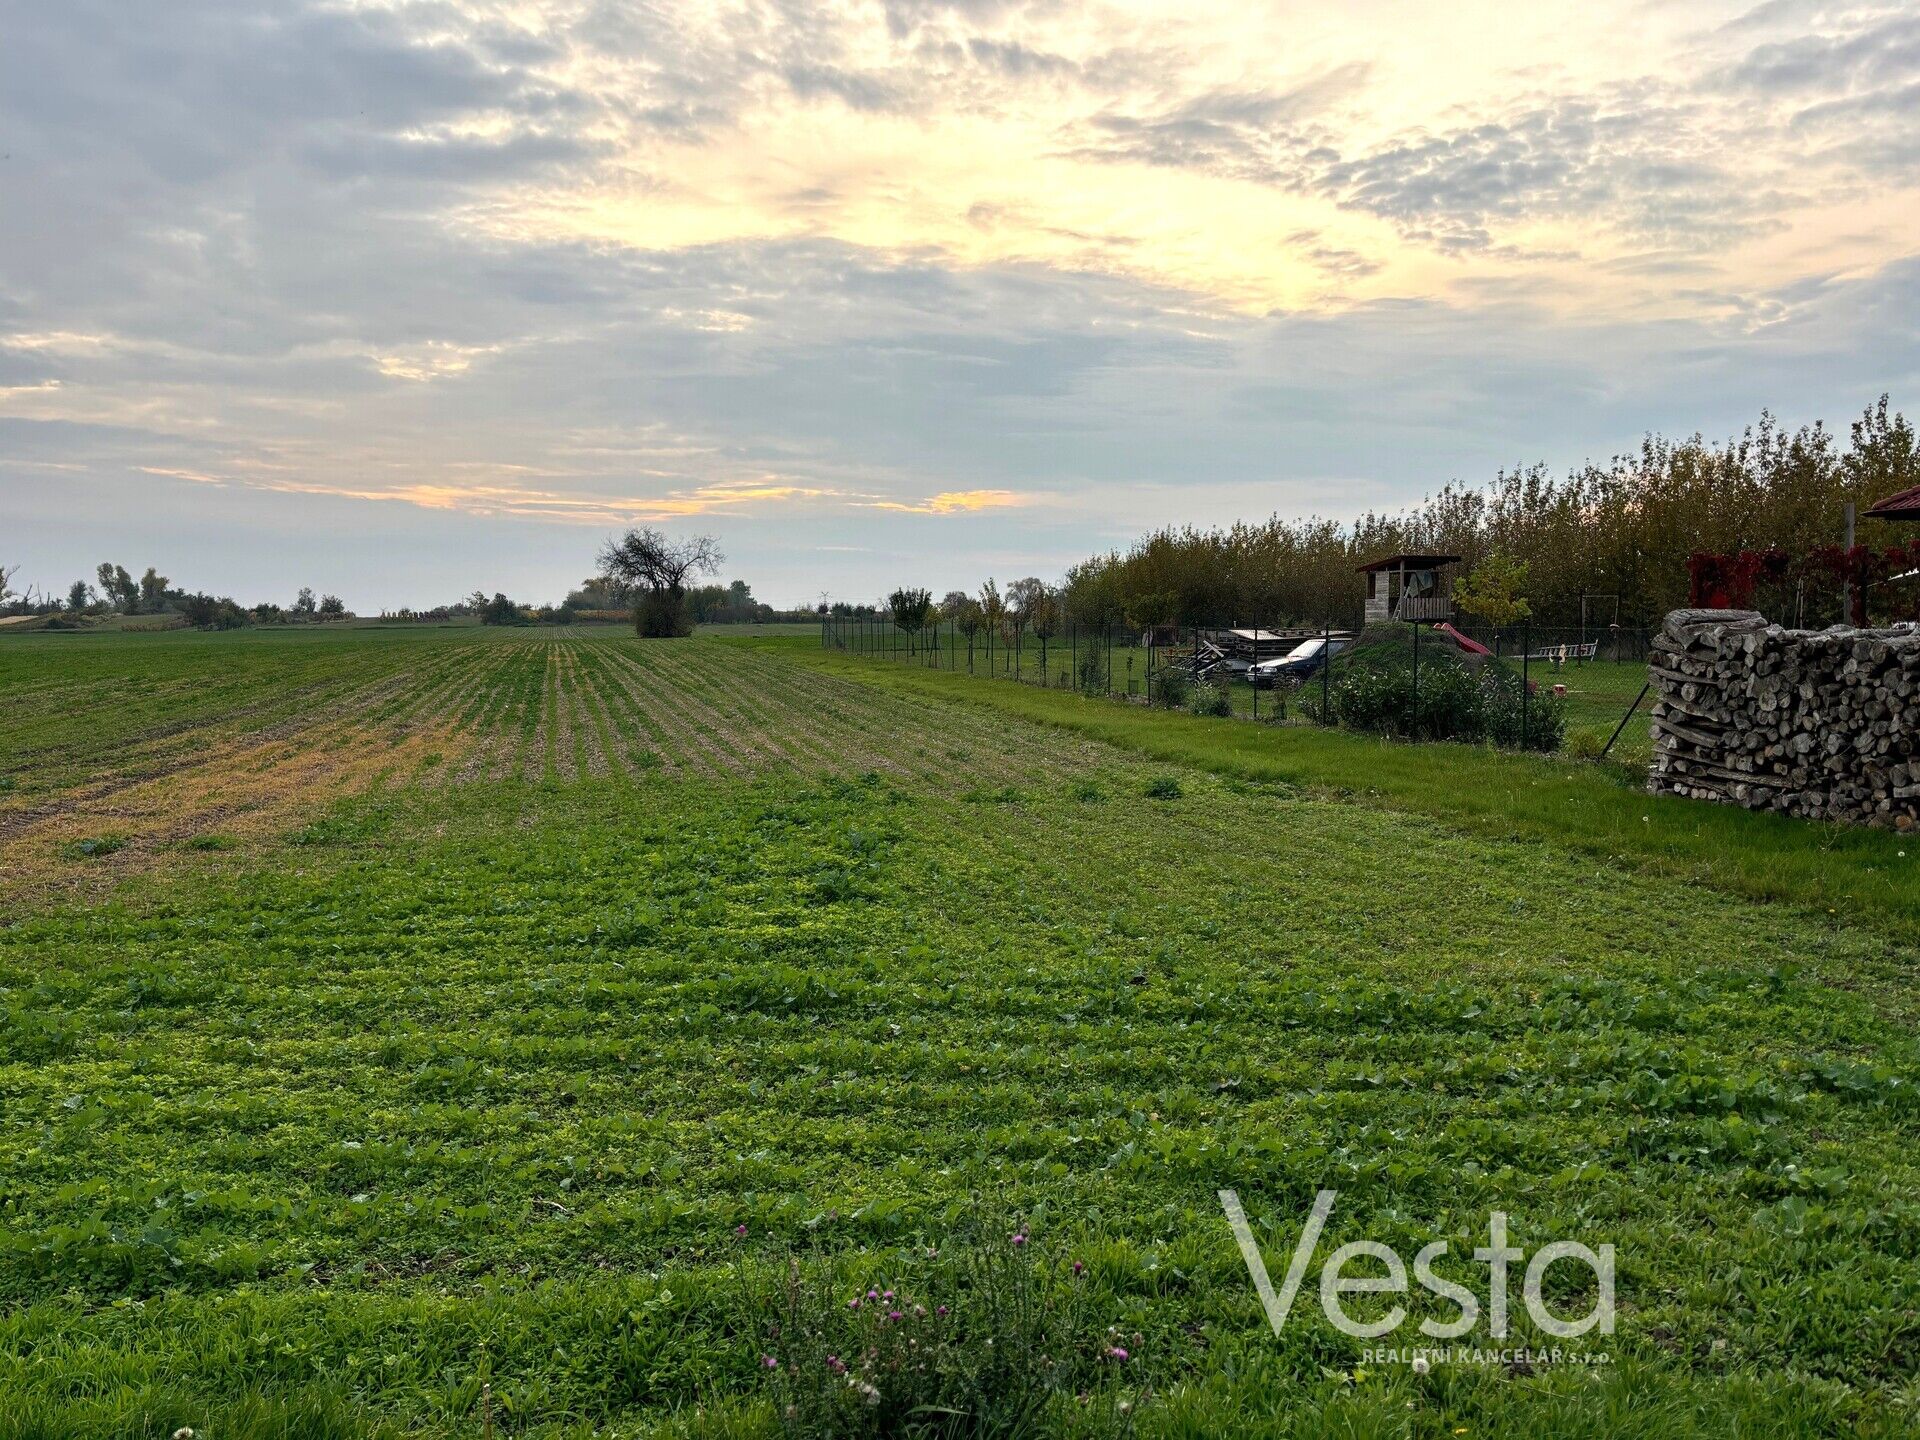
column 1472, row 647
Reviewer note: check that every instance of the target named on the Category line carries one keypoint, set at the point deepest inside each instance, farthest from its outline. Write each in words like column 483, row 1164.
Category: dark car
column 1303, row 660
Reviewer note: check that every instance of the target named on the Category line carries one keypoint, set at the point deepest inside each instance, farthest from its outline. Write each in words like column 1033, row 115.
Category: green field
column 386, row 1012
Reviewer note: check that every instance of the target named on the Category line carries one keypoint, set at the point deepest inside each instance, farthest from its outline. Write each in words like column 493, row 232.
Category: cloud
column 1879, row 52
column 957, row 502
column 445, row 284
column 1624, row 167
column 555, row 506
column 1011, row 58
column 1264, row 136
column 1660, row 160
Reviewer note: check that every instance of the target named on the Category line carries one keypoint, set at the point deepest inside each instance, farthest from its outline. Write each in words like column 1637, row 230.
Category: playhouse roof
column 1411, row 562
column 1903, row 506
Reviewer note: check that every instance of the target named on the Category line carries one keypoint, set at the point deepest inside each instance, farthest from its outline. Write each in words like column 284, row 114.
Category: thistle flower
column 741, row 1231
column 940, row 1310
column 1079, row 1268
column 1115, row 1353
column 769, row 1362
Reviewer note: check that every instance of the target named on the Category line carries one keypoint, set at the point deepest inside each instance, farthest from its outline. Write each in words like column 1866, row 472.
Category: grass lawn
column 1599, row 693
column 449, row 1001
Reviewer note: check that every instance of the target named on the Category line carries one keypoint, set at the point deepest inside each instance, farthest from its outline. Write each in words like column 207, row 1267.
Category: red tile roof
column 1904, row 506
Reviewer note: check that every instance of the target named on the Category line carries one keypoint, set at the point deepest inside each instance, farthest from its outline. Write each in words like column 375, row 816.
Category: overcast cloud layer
column 402, row 299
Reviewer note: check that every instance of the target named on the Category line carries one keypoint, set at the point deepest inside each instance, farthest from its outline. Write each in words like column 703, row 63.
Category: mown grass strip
column 1854, row 874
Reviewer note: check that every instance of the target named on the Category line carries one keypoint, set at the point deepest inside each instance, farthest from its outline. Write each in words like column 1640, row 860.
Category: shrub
column 501, row 611
column 1170, row 686
column 662, row 615
column 1163, row 787
column 1375, row 688
column 1210, row 698
column 1546, row 721
column 1449, row 703
column 210, row 612
column 1091, row 672
column 1586, row 744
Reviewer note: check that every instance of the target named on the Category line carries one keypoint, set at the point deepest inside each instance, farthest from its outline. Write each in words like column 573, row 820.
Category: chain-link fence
column 1525, row 686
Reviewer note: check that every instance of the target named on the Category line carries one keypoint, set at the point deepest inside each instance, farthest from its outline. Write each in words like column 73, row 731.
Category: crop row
column 178, row 751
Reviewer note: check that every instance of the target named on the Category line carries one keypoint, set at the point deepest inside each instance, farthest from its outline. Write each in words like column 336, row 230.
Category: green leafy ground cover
column 1861, row 876
column 477, row 1073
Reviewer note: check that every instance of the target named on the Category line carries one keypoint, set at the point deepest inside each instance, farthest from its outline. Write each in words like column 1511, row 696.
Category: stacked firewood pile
column 1818, row 723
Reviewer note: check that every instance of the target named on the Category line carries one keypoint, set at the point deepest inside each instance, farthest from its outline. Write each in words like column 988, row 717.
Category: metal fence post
column 1413, row 719
column 1526, row 654
column 1326, row 676
column 1624, row 718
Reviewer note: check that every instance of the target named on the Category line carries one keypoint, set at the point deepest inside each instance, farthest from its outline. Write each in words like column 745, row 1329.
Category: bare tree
column 653, row 569
column 7, row 572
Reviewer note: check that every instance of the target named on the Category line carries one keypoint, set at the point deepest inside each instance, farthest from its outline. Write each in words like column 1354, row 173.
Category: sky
column 400, row 300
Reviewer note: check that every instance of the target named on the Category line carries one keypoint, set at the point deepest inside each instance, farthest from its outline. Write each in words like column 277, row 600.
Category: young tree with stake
column 912, row 609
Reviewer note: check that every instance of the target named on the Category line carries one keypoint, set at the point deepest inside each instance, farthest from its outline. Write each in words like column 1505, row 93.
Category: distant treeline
column 600, row 598
column 1620, row 533
column 116, row 591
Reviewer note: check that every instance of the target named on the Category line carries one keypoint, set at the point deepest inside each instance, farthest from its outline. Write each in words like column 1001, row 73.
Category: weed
column 94, row 847
column 1585, row 744
column 979, row 1336
column 1005, row 795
